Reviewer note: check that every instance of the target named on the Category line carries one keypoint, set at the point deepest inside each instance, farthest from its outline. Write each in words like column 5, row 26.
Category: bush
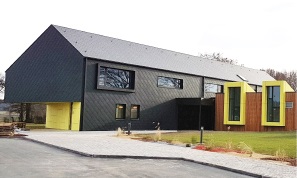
column 194, row 140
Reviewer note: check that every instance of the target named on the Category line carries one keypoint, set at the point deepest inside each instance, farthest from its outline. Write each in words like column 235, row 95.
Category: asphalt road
column 23, row 158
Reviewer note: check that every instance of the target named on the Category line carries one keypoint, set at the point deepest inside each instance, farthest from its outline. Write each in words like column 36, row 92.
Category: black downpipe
column 202, row 96
column 200, row 113
column 84, row 79
column 202, row 89
column 70, row 122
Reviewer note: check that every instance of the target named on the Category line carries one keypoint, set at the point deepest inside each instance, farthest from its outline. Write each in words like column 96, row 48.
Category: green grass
column 261, row 142
column 35, row 126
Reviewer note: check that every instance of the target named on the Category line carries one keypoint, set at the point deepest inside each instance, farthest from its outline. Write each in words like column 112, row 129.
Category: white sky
column 256, row 33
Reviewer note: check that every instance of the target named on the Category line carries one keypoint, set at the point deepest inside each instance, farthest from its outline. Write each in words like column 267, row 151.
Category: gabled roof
column 106, row 48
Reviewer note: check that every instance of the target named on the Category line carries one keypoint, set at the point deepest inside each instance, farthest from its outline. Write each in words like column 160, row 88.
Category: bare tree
column 218, row 57
column 289, row 77
column 115, row 78
column 118, row 78
column 292, row 79
column 29, row 112
column 2, row 83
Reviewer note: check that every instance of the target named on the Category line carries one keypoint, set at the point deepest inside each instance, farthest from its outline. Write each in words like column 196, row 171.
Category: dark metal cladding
column 156, row 104
column 50, row 70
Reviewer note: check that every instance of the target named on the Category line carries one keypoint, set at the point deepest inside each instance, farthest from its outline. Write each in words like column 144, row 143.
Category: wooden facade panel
column 253, row 114
column 219, row 105
column 238, row 128
column 291, row 113
column 273, row 128
column 253, row 111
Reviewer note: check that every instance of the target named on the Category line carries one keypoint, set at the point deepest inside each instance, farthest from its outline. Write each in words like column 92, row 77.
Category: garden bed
column 270, row 146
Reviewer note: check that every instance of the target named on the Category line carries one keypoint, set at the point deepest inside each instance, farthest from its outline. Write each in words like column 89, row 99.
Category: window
column 115, row 78
column 135, row 111
column 273, row 103
column 120, row 111
column 167, row 82
column 234, row 104
column 213, row 88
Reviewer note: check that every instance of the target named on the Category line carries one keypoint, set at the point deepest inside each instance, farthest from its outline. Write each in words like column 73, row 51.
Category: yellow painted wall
column 244, row 87
column 284, row 87
column 58, row 116
column 75, row 116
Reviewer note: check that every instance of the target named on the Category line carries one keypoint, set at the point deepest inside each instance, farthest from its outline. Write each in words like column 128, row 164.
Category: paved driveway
column 105, row 144
column 23, row 158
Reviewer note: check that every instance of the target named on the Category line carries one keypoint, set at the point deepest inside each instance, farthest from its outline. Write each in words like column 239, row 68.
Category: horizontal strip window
column 213, row 88
column 168, row 82
column 112, row 78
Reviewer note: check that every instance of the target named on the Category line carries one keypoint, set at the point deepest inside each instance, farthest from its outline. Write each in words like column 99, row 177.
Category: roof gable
column 116, row 50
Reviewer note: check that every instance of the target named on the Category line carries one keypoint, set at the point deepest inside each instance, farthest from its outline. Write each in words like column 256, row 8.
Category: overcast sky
column 257, row 33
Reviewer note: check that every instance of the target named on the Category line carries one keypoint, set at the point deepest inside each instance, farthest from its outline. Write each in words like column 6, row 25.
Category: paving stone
column 105, row 143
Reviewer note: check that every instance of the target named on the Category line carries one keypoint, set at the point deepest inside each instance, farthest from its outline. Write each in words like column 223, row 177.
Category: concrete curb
column 146, row 157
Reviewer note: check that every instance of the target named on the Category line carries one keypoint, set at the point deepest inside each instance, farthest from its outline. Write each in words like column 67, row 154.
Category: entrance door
column 188, row 114
column 208, row 117
column 188, row 117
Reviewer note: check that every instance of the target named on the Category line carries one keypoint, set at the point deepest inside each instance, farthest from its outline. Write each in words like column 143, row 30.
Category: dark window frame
column 234, row 103
column 105, row 86
column 138, row 111
column 180, row 84
column 273, row 106
column 124, row 112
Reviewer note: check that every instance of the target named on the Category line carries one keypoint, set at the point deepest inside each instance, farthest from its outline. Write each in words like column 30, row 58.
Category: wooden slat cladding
column 291, row 113
column 219, row 120
column 253, row 114
column 253, row 111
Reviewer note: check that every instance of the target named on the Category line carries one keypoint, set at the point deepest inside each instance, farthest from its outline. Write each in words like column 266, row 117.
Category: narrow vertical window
column 273, row 103
column 234, row 104
column 135, row 111
column 120, row 111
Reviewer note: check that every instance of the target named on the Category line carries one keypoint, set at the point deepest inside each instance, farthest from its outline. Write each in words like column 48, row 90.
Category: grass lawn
column 260, row 142
column 35, row 126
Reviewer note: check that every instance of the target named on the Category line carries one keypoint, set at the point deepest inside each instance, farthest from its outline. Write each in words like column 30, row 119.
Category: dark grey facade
column 62, row 66
column 156, row 104
column 50, row 70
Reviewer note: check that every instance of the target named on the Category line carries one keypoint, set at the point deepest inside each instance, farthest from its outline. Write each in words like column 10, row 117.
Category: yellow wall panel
column 244, row 87
column 58, row 116
column 284, row 87
column 75, row 116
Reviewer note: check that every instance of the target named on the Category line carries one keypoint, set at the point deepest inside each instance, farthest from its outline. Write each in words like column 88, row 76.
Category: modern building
column 94, row 82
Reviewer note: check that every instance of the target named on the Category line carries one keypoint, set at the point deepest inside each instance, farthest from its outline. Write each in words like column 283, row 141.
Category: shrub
column 194, row 140
column 244, row 148
column 281, row 154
